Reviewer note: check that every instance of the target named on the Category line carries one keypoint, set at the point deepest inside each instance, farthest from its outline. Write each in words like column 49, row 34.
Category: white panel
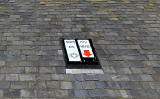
column 85, row 48
column 81, row 71
column 72, row 51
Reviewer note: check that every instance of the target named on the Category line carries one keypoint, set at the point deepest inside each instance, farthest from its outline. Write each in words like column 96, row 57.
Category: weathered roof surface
column 126, row 36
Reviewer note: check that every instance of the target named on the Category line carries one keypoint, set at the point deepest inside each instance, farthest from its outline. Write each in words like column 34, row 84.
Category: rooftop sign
column 80, row 53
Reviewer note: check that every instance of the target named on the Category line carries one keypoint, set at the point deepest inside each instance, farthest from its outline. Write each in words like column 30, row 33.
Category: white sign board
column 72, row 50
column 85, row 48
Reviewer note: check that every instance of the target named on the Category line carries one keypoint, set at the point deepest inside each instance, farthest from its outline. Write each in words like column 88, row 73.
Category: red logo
column 74, row 55
column 87, row 53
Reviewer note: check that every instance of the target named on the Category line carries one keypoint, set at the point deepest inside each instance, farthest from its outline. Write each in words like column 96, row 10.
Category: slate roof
column 125, row 34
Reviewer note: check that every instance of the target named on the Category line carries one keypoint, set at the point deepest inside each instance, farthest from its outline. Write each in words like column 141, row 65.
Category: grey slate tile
column 19, row 85
column 60, row 70
column 4, row 84
column 90, row 77
column 12, row 93
column 130, row 85
column 78, row 85
column 155, row 85
column 28, row 93
column 101, row 84
column 113, row 85
column 97, row 92
column 79, row 77
column 80, row 93
column 89, row 85
column 66, row 85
